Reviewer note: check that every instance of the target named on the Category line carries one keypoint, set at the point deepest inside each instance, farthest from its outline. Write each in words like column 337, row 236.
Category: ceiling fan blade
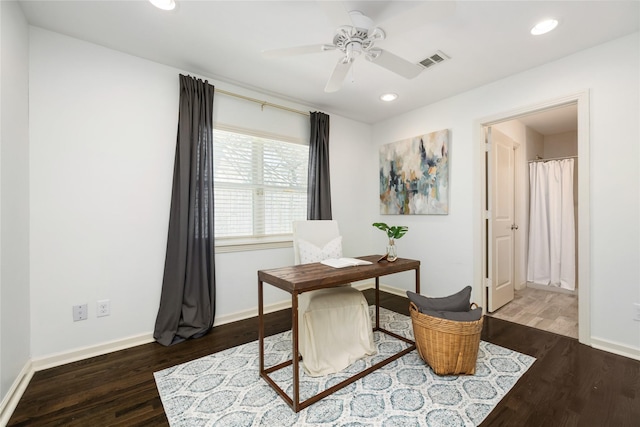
column 394, row 63
column 422, row 14
column 338, row 75
column 298, row 50
column 336, row 13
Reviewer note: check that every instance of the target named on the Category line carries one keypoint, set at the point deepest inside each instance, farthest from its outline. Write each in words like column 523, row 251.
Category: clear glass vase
column 392, row 255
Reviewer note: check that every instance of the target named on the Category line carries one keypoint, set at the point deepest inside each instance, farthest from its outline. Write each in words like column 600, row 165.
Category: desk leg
column 261, row 326
column 377, row 303
column 295, row 356
column 418, row 280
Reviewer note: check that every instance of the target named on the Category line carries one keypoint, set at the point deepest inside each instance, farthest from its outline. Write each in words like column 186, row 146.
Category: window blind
column 260, row 185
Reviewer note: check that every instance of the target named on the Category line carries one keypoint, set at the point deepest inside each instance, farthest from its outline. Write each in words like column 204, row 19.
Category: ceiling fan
column 355, row 36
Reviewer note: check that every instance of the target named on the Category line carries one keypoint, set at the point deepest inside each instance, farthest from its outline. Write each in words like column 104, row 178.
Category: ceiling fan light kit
column 360, row 20
column 357, row 39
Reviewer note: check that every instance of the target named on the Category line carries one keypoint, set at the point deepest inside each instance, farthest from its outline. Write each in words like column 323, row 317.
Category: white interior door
column 502, row 225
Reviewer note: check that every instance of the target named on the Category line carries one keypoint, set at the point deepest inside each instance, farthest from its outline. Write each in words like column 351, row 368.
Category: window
column 260, row 186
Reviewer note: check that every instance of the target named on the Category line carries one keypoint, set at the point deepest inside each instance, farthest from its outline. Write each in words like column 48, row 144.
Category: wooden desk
column 309, row 277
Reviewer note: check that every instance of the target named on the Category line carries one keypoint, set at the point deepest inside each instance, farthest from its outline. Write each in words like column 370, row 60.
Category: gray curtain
column 187, row 303
column 318, row 182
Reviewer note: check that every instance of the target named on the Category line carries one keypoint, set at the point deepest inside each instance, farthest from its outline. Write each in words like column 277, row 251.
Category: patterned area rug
column 224, row 389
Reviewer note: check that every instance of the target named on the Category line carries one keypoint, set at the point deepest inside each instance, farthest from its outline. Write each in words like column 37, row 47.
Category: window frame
column 273, row 241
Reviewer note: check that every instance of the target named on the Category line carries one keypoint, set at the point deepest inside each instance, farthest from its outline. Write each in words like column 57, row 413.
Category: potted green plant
column 393, row 232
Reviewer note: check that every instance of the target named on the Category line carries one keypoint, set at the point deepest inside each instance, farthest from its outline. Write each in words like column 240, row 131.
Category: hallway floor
column 547, row 310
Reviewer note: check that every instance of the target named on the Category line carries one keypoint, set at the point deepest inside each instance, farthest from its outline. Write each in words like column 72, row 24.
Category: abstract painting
column 414, row 175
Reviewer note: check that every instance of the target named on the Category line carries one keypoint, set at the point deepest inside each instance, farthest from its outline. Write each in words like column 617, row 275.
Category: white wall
column 350, row 178
column 535, row 144
column 443, row 243
column 103, row 131
column 448, row 246
column 102, row 141
column 561, row 144
column 14, row 195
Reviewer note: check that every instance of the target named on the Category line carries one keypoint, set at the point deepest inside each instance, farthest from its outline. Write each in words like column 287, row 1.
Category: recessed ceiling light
column 544, row 27
column 388, row 97
column 164, row 4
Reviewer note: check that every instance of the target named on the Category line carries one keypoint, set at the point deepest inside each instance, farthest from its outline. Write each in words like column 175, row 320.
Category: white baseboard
column 615, row 348
column 109, row 347
column 247, row 314
column 9, row 403
column 59, row 359
column 281, row 305
column 394, row 291
column 364, row 284
column 551, row 288
column 13, row 396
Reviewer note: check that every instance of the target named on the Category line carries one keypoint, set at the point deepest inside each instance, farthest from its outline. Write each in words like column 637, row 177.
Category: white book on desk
column 344, row 262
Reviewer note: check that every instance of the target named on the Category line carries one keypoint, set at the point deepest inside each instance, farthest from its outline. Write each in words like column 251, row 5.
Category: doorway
column 565, row 115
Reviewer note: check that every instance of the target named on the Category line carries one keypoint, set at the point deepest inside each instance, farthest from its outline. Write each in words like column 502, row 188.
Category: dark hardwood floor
column 570, row 384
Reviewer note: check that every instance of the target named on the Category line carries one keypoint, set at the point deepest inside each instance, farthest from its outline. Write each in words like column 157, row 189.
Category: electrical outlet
column 104, row 308
column 636, row 307
column 80, row 312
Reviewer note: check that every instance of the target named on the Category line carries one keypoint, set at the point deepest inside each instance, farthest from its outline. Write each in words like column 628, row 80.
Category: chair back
column 316, row 232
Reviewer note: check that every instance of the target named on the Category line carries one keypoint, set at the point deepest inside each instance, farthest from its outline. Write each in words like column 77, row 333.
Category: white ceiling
column 223, row 40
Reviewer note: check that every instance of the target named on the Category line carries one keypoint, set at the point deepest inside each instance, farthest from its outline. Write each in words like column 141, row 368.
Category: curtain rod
column 262, row 103
column 553, row 158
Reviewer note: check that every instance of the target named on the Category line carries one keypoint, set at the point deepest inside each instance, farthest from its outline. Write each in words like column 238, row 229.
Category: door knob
column 514, row 227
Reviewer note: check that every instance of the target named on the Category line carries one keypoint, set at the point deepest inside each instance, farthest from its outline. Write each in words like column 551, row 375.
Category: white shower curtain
column 552, row 257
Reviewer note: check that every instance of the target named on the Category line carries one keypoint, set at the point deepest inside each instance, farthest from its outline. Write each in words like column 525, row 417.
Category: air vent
column 434, row 59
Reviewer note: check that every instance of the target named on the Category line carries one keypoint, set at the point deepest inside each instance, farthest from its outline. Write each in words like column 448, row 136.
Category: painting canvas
column 414, row 175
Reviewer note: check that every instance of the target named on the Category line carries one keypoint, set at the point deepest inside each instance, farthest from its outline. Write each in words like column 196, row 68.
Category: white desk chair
column 334, row 325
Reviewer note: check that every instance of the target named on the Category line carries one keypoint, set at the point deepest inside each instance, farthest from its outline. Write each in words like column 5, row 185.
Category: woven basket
column 450, row 347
